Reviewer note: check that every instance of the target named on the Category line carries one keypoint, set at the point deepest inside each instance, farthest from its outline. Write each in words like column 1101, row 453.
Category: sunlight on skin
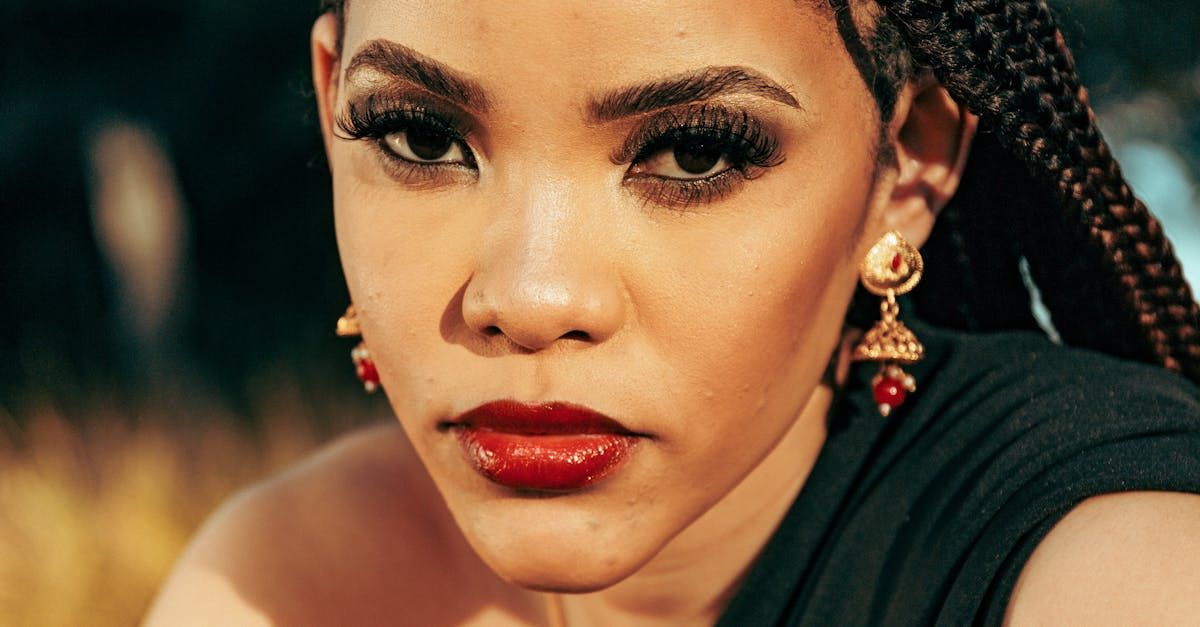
column 212, row 590
column 707, row 325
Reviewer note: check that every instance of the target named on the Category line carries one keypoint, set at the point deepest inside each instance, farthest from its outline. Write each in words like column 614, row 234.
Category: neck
column 695, row 575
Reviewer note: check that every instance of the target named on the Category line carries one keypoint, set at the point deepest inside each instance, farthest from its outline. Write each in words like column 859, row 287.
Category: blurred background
column 169, row 278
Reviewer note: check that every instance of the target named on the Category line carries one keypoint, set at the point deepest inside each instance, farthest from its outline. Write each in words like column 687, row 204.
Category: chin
column 543, row 582
column 550, row 571
column 561, row 544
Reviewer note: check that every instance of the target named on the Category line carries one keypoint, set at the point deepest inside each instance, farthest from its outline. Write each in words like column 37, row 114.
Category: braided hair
column 1041, row 189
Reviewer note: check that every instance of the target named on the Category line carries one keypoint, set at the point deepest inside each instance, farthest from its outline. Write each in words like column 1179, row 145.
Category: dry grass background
column 94, row 510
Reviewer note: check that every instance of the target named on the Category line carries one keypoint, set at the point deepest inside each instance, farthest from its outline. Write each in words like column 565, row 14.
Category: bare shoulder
column 353, row 534
column 1117, row 559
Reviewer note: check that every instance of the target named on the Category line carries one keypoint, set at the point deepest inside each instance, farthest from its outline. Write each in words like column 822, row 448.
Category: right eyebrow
column 402, row 63
column 693, row 86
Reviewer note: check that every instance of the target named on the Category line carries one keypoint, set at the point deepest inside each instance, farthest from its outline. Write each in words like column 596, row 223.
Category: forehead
column 571, row 47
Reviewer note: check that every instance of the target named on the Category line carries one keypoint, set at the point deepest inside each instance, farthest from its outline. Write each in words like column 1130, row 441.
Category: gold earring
column 364, row 367
column 891, row 268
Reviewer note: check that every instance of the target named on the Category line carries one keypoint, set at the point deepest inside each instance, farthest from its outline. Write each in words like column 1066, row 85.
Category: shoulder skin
column 355, row 534
column 1117, row 559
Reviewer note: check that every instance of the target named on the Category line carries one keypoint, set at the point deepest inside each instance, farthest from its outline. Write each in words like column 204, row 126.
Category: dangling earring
column 347, row 326
column 892, row 267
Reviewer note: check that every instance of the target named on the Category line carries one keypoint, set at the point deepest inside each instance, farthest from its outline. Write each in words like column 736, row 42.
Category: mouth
column 548, row 447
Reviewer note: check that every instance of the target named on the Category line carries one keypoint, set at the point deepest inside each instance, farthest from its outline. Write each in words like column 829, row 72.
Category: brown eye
column 424, row 145
column 427, row 145
column 696, row 157
column 687, row 159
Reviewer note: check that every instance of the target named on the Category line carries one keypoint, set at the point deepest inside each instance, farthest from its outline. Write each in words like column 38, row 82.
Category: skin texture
column 547, row 272
column 1116, row 559
column 549, row 278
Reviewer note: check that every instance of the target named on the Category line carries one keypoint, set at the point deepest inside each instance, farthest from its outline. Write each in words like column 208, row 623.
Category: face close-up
column 649, row 210
column 640, row 313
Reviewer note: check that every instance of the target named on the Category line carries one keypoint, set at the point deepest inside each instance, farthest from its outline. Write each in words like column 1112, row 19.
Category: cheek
column 745, row 313
column 406, row 257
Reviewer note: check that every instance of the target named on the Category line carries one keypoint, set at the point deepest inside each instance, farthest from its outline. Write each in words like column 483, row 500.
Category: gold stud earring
column 891, row 268
column 364, row 367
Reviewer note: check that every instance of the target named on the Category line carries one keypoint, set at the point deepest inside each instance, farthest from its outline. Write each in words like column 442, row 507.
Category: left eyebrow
column 399, row 62
column 686, row 88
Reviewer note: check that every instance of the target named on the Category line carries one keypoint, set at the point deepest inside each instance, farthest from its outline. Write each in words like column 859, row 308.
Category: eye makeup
column 384, row 118
column 690, row 136
column 740, row 138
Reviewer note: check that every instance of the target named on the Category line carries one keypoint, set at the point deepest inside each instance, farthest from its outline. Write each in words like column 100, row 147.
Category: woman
column 603, row 260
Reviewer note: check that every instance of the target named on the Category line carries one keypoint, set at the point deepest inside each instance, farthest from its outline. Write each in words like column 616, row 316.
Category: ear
column 326, row 67
column 932, row 135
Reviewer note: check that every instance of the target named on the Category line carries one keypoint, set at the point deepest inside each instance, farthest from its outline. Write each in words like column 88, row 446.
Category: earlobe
column 325, row 71
column 932, row 136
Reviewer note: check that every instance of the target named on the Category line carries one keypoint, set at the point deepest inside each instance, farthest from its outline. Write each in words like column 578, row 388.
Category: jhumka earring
column 892, row 267
column 347, row 326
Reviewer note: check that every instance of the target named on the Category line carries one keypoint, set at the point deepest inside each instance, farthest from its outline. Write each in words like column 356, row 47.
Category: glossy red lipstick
column 549, row 446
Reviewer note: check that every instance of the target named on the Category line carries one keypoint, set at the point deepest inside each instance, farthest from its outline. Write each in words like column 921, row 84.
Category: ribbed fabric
column 927, row 517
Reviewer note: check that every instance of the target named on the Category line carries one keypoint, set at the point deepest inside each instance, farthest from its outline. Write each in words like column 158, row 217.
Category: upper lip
column 550, row 418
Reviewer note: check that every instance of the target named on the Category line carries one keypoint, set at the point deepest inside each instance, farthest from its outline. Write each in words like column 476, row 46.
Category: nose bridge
column 542, row 274
column 544, row 217
column 532, row 265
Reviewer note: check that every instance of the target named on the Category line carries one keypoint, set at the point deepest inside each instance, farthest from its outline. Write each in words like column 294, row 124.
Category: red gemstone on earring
column 896, row 262
column 366, row 372
column 889, row 391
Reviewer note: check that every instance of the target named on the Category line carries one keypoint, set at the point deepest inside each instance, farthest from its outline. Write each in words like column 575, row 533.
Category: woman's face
column 650, row 209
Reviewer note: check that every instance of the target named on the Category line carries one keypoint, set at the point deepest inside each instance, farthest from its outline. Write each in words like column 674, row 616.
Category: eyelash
column 741, row 139
column 376, row 117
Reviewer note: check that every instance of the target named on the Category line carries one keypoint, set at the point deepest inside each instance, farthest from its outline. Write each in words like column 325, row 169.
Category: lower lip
column 554, row 462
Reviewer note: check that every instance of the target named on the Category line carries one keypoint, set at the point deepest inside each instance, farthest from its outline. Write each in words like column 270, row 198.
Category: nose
column 543, row 277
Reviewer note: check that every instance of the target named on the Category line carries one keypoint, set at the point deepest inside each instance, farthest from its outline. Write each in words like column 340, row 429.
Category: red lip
column 549, row 446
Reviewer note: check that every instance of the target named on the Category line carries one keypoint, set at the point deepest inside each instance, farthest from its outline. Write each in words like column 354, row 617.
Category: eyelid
column 751, row 145
column 376, row 115
column 364, row 112
column 713, row 116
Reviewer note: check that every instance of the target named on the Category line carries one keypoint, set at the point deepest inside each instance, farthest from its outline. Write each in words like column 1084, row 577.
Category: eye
column 422, row 144
column 701, row 155
column 419, row 141
column 693, row 158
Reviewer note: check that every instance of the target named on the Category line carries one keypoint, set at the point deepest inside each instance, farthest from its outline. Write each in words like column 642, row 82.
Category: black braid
column 1105, row 270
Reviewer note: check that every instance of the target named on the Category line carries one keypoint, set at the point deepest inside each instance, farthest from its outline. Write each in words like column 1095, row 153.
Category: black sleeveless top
column 927, row 517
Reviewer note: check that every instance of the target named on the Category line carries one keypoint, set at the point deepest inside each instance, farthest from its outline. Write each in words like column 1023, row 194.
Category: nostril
column 577, row 335
column 492, row 330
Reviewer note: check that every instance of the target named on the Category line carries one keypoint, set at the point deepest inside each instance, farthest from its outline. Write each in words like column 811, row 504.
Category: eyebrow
column 403, row 63
column 684, row 88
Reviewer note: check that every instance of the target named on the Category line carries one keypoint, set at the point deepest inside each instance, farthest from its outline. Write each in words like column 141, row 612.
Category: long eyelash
column 739, row 134
column 744, row 141
column 378, row 115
